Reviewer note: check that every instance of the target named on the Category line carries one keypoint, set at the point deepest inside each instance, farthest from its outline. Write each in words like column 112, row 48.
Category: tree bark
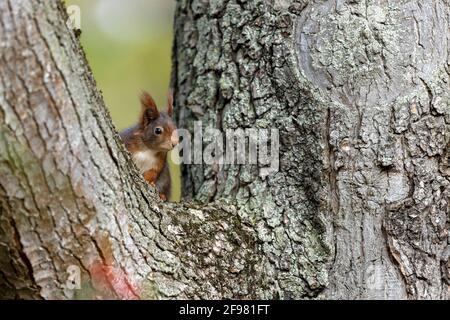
column 358, row 209
column 359, row 90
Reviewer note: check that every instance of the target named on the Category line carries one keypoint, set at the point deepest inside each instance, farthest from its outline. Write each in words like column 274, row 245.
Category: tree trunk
column 359, row 90
column 358, row 209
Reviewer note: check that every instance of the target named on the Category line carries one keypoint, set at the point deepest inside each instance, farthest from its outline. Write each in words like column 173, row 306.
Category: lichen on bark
column 236, row 68
column 358, row 209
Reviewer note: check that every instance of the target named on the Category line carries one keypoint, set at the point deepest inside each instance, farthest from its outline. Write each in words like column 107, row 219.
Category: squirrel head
column 157, row 129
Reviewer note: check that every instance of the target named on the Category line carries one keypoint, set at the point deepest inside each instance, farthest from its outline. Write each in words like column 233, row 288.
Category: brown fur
column 149, row 142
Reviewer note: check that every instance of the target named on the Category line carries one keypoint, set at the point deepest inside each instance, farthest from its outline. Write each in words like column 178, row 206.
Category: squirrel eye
column 158, row 130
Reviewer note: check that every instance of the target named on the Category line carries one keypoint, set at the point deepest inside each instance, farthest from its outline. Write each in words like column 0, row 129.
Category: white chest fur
column 145, row 160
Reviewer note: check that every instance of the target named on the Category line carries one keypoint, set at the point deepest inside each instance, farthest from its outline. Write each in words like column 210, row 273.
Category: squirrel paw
column 162, row 197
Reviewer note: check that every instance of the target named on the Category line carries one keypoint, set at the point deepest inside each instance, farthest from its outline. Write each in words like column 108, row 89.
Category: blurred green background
column 128, row 45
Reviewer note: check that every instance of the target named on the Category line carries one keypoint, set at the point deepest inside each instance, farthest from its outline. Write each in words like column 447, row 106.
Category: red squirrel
column 149, row 142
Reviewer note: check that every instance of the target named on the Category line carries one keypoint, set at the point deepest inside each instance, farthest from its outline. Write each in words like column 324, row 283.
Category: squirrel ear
column 170, row 103
column 149, row 110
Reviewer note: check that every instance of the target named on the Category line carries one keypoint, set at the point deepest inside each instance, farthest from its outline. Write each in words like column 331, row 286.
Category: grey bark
column 359, row 208
column 359, row 90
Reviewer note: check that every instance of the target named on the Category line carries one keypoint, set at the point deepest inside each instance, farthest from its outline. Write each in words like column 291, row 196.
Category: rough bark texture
column 359, row 90
column 382, row 66
column 236, row 68
column 69, row 194
column 359, row 208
